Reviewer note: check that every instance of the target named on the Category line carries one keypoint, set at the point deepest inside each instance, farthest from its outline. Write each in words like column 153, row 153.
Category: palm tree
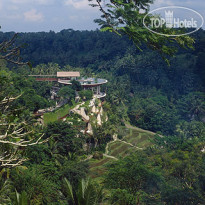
column 86, row 193
column 21, row 199
column 5, row 190
column 6, row 185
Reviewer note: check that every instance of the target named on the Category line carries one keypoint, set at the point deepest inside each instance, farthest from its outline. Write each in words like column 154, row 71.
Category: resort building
column 65, row 78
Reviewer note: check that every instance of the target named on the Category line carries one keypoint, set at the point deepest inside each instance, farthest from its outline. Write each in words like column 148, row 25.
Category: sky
column 56, row 15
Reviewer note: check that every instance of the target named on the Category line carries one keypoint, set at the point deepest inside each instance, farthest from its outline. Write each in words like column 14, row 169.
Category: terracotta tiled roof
column 68, row 74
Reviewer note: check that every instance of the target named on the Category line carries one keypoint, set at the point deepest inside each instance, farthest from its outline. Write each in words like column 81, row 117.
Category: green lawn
column 54, row 116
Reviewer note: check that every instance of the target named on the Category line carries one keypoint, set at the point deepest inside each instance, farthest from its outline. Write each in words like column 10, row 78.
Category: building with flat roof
column 66, row 77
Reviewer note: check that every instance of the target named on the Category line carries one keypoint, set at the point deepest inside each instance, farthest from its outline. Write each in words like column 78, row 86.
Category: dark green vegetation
column 128, row 18
column 139, row 167
column 76, row 48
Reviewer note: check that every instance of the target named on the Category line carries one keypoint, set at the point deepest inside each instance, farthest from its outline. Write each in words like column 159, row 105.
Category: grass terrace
column 56, row 115
column 137, row 137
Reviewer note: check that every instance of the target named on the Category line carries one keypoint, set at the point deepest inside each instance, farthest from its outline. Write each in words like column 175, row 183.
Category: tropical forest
column 126, row 128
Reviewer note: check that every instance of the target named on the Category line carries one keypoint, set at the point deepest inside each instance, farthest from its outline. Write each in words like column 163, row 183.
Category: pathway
column 51, row 109
column 130, row 144
column 109, row 156
column 115, row 139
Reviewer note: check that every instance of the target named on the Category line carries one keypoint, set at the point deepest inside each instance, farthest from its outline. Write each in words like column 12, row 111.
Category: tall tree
column 126, row 18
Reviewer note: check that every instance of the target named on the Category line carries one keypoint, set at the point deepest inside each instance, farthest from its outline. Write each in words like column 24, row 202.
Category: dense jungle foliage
column 142, row 90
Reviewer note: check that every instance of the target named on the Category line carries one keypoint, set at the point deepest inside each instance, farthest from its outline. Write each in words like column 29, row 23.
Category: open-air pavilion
column 66, row 77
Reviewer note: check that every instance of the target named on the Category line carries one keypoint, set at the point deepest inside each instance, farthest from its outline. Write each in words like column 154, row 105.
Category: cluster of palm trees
column 86, row 193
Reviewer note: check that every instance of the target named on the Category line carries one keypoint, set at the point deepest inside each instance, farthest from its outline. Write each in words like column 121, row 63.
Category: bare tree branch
column 14, row 135
column 10, row 52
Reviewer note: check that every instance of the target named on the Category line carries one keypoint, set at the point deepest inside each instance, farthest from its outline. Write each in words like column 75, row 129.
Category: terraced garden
column 98, row 168
column 133, row 139
column 139, row 138
column 120, row 149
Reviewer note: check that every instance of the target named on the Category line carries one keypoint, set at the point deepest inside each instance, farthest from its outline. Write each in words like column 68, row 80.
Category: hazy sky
column 55, row 15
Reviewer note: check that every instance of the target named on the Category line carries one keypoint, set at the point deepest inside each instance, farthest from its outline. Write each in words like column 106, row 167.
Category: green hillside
column 134, row 139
